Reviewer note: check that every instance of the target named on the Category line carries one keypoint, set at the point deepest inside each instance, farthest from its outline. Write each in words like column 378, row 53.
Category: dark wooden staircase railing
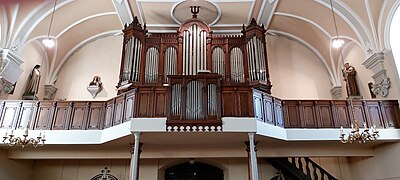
column 302, row 168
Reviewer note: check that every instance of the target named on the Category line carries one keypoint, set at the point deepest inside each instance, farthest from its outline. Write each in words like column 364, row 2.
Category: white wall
column 14, row 169
column 295, row 71
column 102, row 58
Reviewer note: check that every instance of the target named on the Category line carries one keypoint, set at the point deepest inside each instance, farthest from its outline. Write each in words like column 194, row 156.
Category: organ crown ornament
column 194, row 10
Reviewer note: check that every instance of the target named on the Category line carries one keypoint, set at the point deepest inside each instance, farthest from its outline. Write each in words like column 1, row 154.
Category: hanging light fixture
column 337, row 42
column 12, row 140
column 356, row 135
column 50, row 42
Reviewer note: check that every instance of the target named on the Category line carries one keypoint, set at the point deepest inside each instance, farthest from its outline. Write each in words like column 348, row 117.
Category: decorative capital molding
column 49, row 91
column 382, row 82
column 374, row 60
column 336, row 91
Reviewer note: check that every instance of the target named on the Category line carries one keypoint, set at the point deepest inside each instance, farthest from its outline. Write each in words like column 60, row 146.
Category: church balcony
column 237, row 110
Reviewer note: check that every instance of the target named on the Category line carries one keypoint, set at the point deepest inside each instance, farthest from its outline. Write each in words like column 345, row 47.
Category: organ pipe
column 256, row 58
column 151, row 68
column 194, row 50
column 194, row 105
column 212, row 99
column 170, row 65
column 218, row 61
column 237, row 68
column 176, row 100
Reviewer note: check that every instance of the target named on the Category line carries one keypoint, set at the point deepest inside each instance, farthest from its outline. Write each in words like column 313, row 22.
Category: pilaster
column 382, row 82
column 9, row 70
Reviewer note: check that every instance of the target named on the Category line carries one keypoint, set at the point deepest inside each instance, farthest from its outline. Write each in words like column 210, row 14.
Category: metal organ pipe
column 194, row 105
column 176, row 99
column 170, row 59
column 237, row 68
column 194, row 50
column 218, row 60
column 212, row 99
column 151, row 68
column 132, row 59
column 257, row 68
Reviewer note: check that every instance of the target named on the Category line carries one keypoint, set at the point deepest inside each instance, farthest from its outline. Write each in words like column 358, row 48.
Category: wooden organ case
column 192, row 77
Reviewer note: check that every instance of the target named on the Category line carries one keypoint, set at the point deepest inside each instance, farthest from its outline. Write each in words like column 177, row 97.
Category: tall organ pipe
column 170, row 59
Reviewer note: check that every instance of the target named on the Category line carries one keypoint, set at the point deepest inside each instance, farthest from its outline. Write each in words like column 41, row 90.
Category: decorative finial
column 195, row 10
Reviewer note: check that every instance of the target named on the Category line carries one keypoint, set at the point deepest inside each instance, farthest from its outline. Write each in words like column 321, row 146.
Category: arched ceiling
column 363, row 23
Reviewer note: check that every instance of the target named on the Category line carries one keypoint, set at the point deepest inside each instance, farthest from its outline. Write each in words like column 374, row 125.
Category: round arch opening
column 193, row 171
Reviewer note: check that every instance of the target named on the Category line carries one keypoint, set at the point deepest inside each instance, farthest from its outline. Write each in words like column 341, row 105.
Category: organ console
column 193, row 77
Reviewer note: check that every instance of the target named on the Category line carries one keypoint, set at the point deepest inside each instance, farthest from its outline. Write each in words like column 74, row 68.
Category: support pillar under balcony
column 251, row 150
column 136, row 150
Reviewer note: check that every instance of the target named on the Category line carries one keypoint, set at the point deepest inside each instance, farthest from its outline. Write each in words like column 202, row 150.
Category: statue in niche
column 349, row 75
column 95, row 86
column 33, row 84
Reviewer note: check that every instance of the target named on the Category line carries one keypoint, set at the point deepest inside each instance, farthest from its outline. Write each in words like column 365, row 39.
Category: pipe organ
column 193, row 77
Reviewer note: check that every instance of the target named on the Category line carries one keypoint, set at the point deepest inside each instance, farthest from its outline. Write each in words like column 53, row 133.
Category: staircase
column 302, row 168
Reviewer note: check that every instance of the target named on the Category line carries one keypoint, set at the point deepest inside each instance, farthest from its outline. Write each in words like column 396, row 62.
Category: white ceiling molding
column 311, row 48
column 124, row 11
column 172, row 11
column 32, row 20
column 380, row 24
column 76, row 48
column 352, row 19
column 141, row 14
column 305, row 20
column 372, row 24
column 4, row 27
column 266, row 12
column 83, row 20
column 251, row 11
column 12, row 24
column 388, row 22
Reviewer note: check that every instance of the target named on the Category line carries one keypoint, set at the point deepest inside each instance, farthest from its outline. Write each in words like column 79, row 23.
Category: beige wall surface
column 102, row 58
column 296, row 72
column 383, row 165
column 14, row 169
column 78, row 169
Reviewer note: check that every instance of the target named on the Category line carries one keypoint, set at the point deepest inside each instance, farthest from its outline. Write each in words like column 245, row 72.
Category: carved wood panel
column 119, row 109
column 340, row 111
column 96, row 115
column 144, row 107
column 359, row 113
column 44, row 115
column 79, row 115
column 228, row 104
column 324, row 114
column 160, row 104
column 258, row 106
column 391, row 115
column 109, row 116
column 307, row 114
column 10, row 114
column 245, row 104
column 27, row 112
column 268, row 110
column 291, row 114
column 374, row 114
column 278, row 113
column 129, row 106
column 62, row 115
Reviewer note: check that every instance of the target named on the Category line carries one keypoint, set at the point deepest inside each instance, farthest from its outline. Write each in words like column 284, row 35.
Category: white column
column 253, row 158
column 135, row 157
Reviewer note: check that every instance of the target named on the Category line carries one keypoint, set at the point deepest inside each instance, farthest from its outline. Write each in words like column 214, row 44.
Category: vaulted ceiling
column 362, row 23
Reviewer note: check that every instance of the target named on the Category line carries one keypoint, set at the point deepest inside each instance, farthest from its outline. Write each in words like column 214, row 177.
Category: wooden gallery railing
column 67, row 115
column 325, row 113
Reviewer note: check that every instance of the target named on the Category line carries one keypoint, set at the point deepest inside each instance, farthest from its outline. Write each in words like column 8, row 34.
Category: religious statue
column 349, row 75
column 95, row 86
column 33, row 84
